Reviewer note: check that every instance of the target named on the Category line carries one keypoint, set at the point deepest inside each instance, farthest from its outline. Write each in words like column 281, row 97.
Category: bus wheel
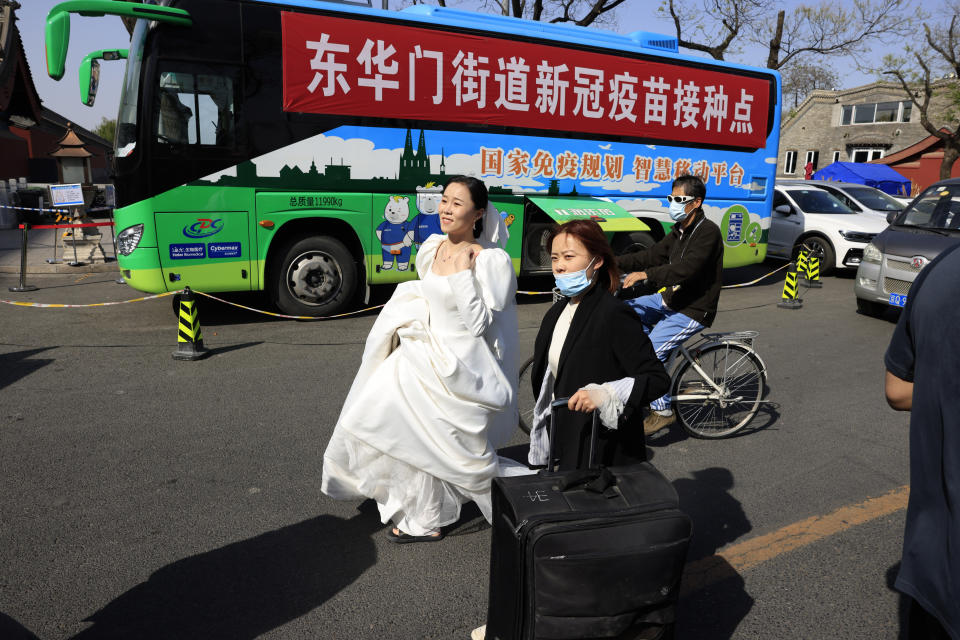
column 633, row 241
column 316, row 276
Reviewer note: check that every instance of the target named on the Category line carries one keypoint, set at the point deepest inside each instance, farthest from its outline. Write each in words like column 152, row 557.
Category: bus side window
column 195, row 108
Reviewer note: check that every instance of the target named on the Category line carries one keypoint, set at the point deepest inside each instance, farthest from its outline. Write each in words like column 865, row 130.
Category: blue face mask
column 573, row 284
column 678, row 211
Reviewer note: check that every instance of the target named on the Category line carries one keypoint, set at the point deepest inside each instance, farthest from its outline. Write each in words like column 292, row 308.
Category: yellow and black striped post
column 813, row 271
column 802, row 263
column 790, row 299
column 189, row 338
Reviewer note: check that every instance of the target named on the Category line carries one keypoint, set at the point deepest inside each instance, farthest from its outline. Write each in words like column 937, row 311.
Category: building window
column 813, row 157
column 836, row 156
column 876, row 112
column 790, row 163
column 887, row 112
column 863, row 113
column 847, row 115
column 866, row 155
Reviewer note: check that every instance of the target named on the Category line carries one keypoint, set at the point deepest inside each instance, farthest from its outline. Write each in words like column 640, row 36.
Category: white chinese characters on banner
column 655, row 104
column 588, row 89
column 470, row 79
column 715, row 109
column 623, row 97
column 674, row 101
column 512, row 84
column 741, row 114
column 686, row 105
column 385, row 66
column 437, row 57
column 327, row 66
column 551, row 89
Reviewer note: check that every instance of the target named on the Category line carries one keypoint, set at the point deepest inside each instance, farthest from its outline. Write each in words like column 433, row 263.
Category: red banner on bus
column 363, row 68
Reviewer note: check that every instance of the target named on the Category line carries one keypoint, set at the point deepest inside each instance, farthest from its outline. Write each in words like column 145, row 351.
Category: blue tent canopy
column 880, row 176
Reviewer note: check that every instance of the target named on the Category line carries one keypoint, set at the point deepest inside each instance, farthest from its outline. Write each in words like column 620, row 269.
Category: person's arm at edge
column 899, row 392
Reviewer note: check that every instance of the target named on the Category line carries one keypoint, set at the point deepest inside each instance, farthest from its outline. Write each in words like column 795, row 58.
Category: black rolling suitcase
column 585, row 554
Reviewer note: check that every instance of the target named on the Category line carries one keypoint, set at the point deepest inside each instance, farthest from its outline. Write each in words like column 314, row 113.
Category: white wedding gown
column 419, row 429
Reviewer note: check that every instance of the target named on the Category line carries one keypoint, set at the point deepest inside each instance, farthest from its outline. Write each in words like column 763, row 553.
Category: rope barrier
column 747, row 284
column 282, row 315
column 271, row 313
column 6, row 206
column 42, row 305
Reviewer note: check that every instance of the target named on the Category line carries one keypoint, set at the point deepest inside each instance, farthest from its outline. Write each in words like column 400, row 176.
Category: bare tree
column 940, row 54
column 800, row 78
column 718, row 27
column 697, row 26
column 831, row 29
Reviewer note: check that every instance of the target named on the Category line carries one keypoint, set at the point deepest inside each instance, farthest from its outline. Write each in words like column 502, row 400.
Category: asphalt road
column 147, row 498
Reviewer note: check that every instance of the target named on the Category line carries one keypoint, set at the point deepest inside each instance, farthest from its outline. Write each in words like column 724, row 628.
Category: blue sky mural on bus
column 636, row 176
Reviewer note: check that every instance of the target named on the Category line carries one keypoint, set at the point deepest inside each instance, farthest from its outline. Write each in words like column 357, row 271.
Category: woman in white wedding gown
column 435, row 394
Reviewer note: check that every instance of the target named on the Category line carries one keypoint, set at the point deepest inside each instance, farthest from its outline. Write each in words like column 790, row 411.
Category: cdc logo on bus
column 203, row 228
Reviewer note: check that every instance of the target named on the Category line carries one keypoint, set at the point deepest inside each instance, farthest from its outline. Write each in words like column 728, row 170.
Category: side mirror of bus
column 89, row 80
column 891, row 216
column 785, row 209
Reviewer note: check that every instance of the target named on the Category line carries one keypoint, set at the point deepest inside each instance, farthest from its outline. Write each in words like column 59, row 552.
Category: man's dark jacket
column 688, row 263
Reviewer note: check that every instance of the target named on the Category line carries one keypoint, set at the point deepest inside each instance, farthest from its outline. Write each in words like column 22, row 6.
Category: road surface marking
column 748, row 554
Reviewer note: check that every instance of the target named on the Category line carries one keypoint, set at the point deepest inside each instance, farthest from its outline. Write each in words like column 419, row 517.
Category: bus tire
column 634, row 241
column 314, row 276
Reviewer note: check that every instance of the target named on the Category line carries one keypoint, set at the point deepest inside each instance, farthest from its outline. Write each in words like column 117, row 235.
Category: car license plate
column 898, row 300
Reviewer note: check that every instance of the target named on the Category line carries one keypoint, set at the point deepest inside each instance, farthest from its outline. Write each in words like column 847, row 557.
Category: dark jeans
column 921, row 625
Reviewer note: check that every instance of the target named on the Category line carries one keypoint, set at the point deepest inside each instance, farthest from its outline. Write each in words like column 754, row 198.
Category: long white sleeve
column 479, row 292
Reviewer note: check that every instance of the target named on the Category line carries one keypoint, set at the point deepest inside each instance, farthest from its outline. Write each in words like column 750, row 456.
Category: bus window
column 194, row 108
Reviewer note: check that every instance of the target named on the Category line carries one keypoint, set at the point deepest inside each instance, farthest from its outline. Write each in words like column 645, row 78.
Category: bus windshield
column 126, row 140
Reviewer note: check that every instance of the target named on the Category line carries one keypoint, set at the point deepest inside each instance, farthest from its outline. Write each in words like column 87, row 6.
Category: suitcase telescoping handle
column 562, row 403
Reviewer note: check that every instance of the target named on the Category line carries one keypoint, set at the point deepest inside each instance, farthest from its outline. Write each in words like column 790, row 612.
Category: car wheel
column 821, row 245
column 314, row 276
column 870, row 308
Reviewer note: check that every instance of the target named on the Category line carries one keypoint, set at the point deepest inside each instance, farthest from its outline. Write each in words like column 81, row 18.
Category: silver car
column 858, row 197
column 917, row 235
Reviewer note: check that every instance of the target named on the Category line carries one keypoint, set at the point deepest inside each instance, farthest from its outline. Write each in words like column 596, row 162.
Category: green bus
column 300, row 147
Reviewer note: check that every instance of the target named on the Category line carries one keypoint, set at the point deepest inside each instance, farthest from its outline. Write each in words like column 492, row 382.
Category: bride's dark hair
column 478, row 193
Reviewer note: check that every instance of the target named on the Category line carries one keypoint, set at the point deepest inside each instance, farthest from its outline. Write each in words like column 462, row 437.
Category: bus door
column 207, row 251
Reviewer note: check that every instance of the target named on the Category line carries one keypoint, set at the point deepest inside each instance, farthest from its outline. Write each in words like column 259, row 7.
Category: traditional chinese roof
column 70, row 145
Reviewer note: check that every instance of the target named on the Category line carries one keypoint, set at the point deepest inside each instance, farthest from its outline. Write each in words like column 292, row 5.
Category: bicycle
column 716, row 384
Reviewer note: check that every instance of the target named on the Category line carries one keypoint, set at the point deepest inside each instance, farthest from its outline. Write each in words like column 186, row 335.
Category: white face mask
column 575, row 283
column 678, row 211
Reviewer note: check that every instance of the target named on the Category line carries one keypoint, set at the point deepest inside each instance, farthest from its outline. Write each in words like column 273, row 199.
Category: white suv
column 807, row 215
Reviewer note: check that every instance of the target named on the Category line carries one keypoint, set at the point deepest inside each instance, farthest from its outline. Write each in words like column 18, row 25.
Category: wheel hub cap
column 314, row 278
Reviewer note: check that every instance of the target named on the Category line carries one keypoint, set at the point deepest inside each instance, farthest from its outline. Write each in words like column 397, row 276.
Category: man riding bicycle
column 685, row 267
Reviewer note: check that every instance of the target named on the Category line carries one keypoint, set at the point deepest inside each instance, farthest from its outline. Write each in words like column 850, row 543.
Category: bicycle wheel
column 710, row 414
column 525, row 398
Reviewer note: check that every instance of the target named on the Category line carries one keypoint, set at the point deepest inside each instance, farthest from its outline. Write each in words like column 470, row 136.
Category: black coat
column 688, row 264
column 606, row 342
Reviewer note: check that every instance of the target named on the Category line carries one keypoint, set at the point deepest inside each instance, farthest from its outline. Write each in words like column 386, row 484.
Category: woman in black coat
column 592, row 348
